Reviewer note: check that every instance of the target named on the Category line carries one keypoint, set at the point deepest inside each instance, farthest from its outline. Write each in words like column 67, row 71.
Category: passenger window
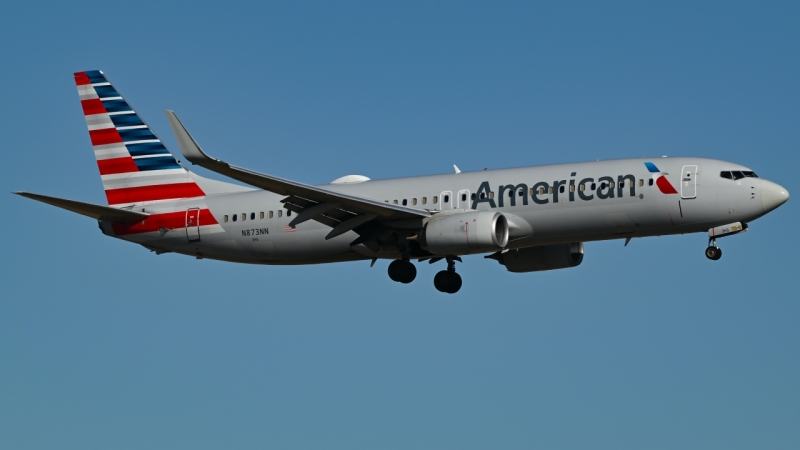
column 594, row 186
column 737, row 175
column 280, row 213
column 405, row 202
column 446, row 199
column 561, row 189
column 550, row 190
column 435, row 200
column 531, row 191
column 394, row 201
column 483, row 195
column 261, row 215
column 234, row 217
column 622, row 184
column 288, row 213
column 491, row 194
column 650, row 183
column 424, row 200
column 611, row 185
column 572, row 188
column 413, row 201
column 472, row 197
column 541, row 191
column 582, row 187
column 641, row 182
column 225, row 218
column 521, row 193
column 463, row 197
column 749, row 174
column 244, row 217
column 253, row 216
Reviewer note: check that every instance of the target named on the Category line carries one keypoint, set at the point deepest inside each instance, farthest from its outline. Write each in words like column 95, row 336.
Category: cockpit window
column 726, row 174
column 749, row 174
column 737, row 175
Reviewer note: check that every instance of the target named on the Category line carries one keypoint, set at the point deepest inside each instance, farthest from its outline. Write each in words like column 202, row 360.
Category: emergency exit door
column 193, row 224
column 689, row 182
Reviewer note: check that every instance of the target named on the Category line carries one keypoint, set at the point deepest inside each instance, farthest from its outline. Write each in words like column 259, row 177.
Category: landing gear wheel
column 447, row 281
column 713, row 253
column 402, row 271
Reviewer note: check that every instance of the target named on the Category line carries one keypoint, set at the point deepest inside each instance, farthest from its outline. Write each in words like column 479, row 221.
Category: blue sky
column 105, row 345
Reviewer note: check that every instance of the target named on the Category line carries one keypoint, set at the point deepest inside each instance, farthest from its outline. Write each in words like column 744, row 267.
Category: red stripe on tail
column 93, row 106
column 155, row 192
column 117, row 165
column 81, row 78
column 105, row 136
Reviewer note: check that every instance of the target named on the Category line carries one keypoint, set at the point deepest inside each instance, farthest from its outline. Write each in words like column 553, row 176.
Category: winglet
column 189, row 148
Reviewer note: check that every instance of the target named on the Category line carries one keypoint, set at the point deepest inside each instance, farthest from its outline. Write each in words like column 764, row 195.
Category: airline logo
column 661, row 181
column 134, row 164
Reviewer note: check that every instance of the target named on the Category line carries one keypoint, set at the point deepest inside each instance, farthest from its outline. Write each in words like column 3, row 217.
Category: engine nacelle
column 543, row 257
column 464, row 233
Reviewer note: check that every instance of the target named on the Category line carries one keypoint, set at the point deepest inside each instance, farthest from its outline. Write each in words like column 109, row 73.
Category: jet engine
column 543, row 257
column 464, row 233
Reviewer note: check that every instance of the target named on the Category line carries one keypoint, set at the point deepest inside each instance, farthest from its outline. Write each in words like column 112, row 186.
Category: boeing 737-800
column 527, row 219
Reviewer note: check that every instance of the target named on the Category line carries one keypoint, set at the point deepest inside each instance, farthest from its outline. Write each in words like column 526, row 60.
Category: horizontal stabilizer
column 89, row 209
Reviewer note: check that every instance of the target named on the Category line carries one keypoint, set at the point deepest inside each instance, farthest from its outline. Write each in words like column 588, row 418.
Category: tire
column 713, row 253
column 440, row 281
column 719, row 254
column 455, row 283
column 402, row 271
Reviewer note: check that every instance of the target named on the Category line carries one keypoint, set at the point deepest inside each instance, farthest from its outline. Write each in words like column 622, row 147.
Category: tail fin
column 134, row 164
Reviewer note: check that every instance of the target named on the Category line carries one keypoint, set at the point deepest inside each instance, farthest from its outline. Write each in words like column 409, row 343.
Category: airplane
column 527, row 219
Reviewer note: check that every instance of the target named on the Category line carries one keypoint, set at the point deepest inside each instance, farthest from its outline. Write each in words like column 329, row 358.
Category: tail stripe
column 133, row 163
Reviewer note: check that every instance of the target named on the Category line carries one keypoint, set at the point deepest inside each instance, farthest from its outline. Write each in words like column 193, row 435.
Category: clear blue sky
column 105, row 345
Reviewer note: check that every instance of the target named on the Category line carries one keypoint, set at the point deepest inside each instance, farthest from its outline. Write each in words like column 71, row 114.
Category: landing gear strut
column 448, row 280
column 402, row 271
column 713, row 252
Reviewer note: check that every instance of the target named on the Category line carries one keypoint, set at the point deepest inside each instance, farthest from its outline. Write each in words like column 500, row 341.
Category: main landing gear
column 448, row 280
column 713, row 252
column 403, row 271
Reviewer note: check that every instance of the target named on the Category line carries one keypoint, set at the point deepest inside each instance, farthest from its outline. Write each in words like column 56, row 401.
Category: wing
column 342, row 212
column 89, row 209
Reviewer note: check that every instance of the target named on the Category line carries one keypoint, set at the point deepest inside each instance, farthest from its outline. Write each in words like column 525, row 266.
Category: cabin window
column 463, row 197
column 234, row 217
column 446, row 199
column 225, row 218
column 280, row 213
column 749, row 174
column 622, row 184
column 405, row 202
column 561, row 189
column 641, row 182
column 270, row 215
column 288, row 213
column 531, row 192
column 611, row 185
column 594, row 186
column 550, row 190
column 541, row 191
column 472, row 196
column 394, row 201
column 261, row 215
column 424, row 200
column 435, row 200
column 252, row 216
column 572, row 188
column 483, row 195
column 413, row 201
column 244, row 217
column 521, row 193
column 650, row 183
column 491, row 194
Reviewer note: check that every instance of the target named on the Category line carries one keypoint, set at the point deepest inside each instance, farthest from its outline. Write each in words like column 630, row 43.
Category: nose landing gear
column 448, row 281
column 713, row 252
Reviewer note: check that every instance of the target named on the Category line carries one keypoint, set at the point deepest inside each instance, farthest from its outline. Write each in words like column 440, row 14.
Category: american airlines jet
column 527, row 219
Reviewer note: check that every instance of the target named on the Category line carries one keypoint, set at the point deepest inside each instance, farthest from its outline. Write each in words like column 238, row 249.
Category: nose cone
column 772, row 195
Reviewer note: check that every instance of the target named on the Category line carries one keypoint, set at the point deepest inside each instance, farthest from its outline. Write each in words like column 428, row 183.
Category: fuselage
column 574, row 202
